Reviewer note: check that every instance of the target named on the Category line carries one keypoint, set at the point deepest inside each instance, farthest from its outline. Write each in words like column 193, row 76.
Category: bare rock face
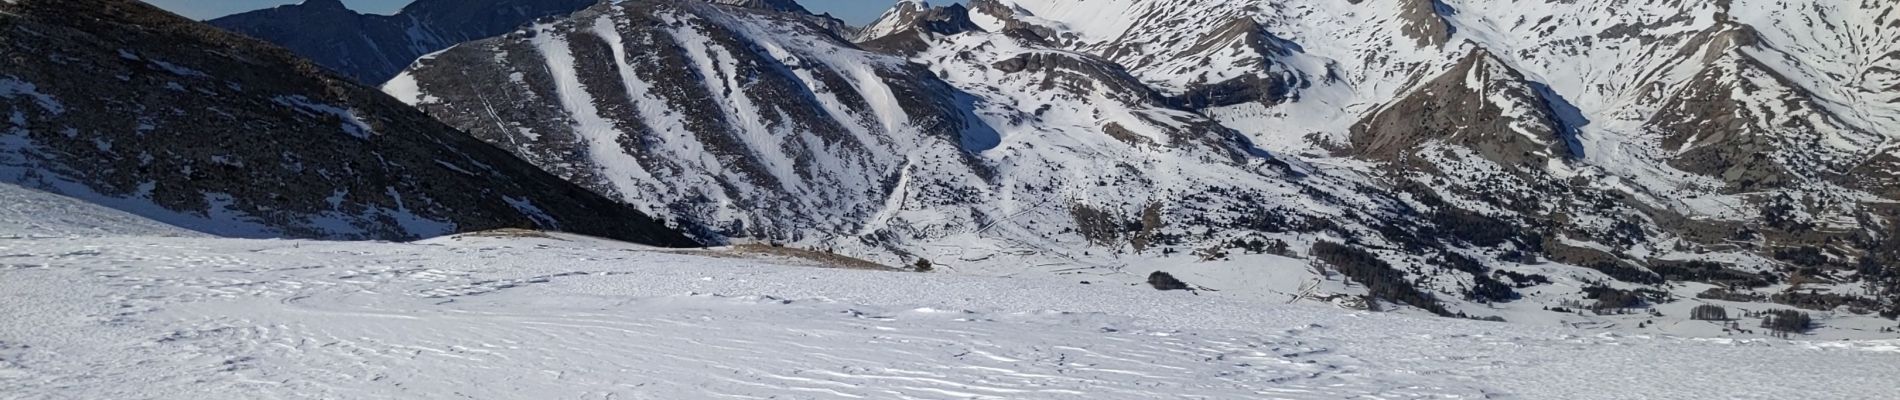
column 372, row 48
column 1009, row 21
column 1244, row 36
column 1203, row 57
column 117, row 102
column 1425, row 22
column 1479, row 104
column 1741, row 121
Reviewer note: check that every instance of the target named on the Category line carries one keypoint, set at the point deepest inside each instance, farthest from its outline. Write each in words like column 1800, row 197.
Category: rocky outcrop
column 1077, row 74
column 1243, row 35
column 896, row 30
column 1424, row 22
column 119, row 103
column 1009, row 21
column 1479, row 104
column 1743, row 122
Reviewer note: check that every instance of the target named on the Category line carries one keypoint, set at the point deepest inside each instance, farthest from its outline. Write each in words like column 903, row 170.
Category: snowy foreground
column 97, row 305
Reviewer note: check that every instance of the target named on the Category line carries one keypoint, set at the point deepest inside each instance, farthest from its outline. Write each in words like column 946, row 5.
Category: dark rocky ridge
column 1014, row 26
column 1722, row 122
column 372, row 48
column 128, row 105
column 1425, row 23
column 1255, row 51
column 898, row 30
column 767, row 5
column 1267, row 89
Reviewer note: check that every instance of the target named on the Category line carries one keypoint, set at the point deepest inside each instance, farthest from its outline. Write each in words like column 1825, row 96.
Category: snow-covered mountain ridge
column 1478, row 158
column 107, row 310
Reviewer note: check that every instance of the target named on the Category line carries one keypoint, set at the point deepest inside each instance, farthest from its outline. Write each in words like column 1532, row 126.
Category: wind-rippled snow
column 569, row 317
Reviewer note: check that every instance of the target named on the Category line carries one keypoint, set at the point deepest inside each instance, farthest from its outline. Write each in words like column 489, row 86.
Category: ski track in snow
column 569, row 317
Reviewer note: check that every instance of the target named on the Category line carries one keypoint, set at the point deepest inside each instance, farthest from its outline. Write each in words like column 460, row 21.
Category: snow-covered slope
column 1509, row 159
column 127, row 106
column 485, row 316
column 795, row 135
column 372, row 48
column 34, row 213
column 1628, row 136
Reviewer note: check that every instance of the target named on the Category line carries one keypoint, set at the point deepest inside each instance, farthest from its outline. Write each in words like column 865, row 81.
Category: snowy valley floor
column 139, row 317
column 97, row 308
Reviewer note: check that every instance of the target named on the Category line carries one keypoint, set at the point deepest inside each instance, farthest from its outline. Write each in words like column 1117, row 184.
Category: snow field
column 572, row 317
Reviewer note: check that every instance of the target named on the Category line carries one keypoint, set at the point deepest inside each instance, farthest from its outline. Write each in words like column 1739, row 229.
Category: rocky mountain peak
column 1480, row 104
column 1012, row 20
column 1727, row 37
column 1244, row 30
column 916, row 17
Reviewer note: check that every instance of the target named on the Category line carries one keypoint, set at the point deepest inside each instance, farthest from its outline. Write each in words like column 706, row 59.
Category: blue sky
column 854, row 11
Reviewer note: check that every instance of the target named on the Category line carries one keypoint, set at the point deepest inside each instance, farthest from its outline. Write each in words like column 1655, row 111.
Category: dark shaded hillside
column 372, row 48
column 123, row 104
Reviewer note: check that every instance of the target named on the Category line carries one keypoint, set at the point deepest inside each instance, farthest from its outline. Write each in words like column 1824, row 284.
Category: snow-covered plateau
column 101, row 304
